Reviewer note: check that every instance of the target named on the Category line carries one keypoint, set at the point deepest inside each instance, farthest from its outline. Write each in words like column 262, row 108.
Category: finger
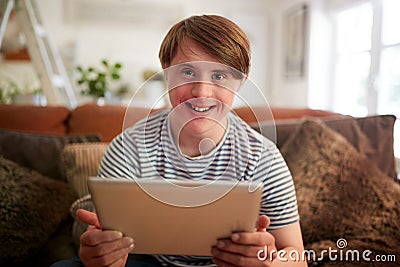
column 260, row 238
column 245, row 250
column 96, row 236
column 111, row 258
column 107, row 248
column 262, row 223
column 88, row 217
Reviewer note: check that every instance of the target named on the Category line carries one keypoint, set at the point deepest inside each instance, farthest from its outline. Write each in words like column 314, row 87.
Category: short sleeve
column 120, row 159
column 279, row 201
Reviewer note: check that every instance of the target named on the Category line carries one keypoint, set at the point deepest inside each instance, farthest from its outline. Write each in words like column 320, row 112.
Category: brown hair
column 219, row 36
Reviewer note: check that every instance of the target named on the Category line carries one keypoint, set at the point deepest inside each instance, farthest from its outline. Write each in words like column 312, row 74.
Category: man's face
column 201, row 90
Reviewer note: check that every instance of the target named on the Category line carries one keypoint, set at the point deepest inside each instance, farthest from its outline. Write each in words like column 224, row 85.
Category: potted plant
column 97, row 82
column 8, row 92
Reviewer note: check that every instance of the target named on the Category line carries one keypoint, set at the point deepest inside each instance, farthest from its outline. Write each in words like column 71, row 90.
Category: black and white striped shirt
column 147, row 150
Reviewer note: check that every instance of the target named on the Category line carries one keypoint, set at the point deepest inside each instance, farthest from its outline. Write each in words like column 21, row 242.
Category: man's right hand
column 102, row 248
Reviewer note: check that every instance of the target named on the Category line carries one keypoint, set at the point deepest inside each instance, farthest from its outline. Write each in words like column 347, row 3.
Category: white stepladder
column 48, row 64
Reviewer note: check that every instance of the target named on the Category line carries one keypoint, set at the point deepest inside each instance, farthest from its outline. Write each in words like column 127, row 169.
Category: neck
column 193, row 145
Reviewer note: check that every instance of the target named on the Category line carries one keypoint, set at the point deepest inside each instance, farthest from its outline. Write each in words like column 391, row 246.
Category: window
column 389, row 86
column 367, row 61
column 353, row 60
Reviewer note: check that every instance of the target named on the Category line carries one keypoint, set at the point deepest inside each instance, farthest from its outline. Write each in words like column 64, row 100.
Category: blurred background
column 339, row 55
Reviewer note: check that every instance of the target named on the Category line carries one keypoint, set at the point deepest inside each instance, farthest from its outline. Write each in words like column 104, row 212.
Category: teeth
column 198, row 109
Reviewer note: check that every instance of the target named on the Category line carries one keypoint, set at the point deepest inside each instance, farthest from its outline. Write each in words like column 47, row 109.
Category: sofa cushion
column 40, row 152
column 258, row 114
column 379, row 129
column 82, row 161
column 340, row 193
column 108, row 120
column 31, row 208
column 372, row 136
column 49, row 119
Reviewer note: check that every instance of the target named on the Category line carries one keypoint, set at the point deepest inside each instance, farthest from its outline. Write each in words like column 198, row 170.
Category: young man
column 205, row 61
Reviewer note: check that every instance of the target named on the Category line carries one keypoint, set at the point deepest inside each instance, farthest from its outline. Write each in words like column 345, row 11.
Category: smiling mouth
column 200, row 109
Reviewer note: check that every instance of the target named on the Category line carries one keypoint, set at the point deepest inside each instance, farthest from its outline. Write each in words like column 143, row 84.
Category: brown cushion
column 281, row 113
column 40, row 152
column 109, row 120
column 49, row 119
column 105, row 120
column 82, row 161
column 371, row 135
column 31, row 208
column 379, row 130
column 340, row 193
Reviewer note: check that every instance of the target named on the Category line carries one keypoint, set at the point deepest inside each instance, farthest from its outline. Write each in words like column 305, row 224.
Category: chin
column 200, row 125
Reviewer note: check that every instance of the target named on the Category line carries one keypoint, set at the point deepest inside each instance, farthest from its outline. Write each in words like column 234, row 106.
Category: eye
column 188, row 73
column 218, row 76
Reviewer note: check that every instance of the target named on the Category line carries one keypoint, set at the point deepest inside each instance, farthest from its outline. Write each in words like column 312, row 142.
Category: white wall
column 287, row 92
column 320, row 68
column 136, row 44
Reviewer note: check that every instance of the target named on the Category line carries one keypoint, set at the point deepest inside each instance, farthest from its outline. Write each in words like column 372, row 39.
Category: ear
column 243, row 81
column 166, row 72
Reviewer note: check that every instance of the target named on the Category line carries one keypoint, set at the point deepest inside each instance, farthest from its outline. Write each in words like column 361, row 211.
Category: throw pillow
column 82, row 161
column 379, row 129
column 31, row 208
column 371, row 135
column 341, row 194
column 40, row 152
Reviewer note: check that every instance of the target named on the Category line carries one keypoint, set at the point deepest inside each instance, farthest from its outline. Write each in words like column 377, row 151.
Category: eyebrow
column 186, row 65
column 227, row 69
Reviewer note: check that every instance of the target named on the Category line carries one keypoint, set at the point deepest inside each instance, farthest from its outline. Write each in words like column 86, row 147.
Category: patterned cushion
column 82, row 161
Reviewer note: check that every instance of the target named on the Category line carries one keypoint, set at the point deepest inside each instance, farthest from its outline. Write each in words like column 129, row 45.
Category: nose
column 202, row 89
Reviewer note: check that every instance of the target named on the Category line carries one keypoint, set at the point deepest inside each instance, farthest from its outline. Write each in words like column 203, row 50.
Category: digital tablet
column 175, row 218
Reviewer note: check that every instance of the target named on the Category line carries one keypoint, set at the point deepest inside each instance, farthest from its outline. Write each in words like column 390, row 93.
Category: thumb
column 262, row 223
column 88, row 217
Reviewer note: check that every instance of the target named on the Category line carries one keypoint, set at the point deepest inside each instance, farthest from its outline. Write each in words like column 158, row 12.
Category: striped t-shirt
column 147, row 150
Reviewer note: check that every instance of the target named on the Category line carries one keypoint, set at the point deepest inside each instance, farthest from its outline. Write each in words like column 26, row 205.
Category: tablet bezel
column 191, row 230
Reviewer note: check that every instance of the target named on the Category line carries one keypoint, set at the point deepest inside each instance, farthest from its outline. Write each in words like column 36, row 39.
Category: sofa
column 343, row 168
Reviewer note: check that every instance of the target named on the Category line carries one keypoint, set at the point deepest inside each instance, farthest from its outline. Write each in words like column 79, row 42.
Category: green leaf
column 96, row 81
column 115, row 76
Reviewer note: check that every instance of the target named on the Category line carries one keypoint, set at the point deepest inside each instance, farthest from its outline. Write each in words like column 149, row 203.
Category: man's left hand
column 245, row 248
